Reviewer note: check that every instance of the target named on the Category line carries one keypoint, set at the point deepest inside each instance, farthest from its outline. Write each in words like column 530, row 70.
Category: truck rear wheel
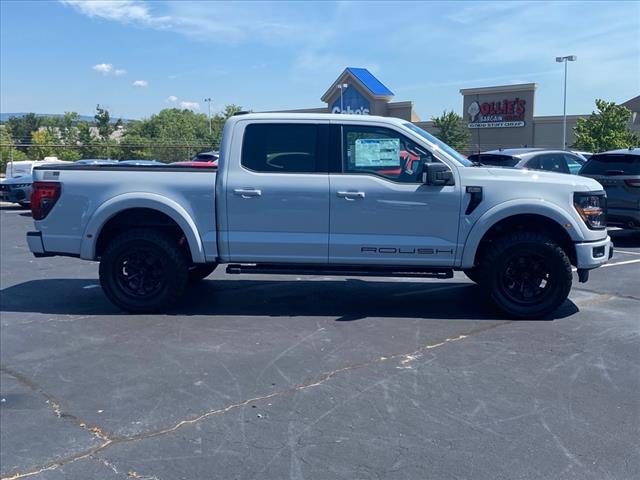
column 143, row 271
column 526, row 274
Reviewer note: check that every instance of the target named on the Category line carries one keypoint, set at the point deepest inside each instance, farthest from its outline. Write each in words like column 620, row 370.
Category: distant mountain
column 85, row 118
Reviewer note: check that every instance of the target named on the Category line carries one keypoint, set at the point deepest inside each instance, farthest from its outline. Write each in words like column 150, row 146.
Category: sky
column 138, row 57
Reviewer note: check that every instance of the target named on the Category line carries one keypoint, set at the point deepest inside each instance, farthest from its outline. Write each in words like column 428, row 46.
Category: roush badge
column 51, row 175
column 505, row 114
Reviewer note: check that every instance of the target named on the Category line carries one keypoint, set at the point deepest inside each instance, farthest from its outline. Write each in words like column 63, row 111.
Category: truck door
column 278, row 195
column 381, row 213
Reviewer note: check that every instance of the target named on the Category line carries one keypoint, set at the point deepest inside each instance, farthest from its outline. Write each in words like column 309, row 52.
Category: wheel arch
column 503, row 219
column 136, row 210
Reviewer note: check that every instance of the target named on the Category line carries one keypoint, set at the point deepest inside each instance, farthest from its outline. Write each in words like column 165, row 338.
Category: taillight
column 633, row 182
column 44, row 196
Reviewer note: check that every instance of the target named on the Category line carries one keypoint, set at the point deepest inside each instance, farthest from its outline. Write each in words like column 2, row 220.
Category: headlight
column 592, row 207
column 21, row 185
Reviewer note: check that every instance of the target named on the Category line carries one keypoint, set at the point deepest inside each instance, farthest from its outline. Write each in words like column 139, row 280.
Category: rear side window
column 612, row 164
column 493, row 159
column 551, row 162
column 280, row 148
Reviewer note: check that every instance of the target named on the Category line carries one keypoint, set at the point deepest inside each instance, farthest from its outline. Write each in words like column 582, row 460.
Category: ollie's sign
column 507, row 113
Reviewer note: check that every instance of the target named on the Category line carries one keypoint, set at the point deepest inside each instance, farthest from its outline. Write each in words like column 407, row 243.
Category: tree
column 452, row 130
column 86, row 140
column 8, row 152
column 174, row 134
column 103, row 122
column 43, row 145
column 607, row 129
column 21, row 128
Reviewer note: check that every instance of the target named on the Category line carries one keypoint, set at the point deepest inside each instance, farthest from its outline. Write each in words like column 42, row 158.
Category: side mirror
column 434, row 173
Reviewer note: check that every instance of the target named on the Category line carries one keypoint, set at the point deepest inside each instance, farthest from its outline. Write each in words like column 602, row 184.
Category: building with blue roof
column 358, row 91
column 500, row 116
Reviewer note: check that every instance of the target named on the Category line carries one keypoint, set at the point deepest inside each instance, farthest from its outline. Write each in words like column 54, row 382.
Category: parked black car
column 532, row 158
column 618, row 171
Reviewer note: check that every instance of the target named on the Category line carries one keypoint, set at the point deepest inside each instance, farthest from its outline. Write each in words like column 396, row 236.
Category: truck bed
column 91, row 193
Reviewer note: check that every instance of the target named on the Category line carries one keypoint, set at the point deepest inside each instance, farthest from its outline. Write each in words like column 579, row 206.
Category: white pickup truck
column 328, row 195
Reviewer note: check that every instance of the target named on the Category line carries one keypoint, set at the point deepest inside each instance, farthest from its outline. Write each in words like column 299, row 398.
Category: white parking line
column 626, row 262
column 625, row 251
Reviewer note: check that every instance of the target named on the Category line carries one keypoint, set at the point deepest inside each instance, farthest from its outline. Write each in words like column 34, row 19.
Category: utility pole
column 568, row 58
column 342, row 86
column 208, row 100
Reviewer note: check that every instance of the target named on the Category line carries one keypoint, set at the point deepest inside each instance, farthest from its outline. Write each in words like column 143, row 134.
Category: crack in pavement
column 54, row 403
column 114, row 440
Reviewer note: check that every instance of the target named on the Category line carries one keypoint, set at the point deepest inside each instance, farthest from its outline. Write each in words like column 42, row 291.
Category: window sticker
column 377, row 152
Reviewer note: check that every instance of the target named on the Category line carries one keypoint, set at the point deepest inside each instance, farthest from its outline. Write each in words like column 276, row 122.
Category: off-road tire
column 200, row 271
column 523, row 253
column 167, row 273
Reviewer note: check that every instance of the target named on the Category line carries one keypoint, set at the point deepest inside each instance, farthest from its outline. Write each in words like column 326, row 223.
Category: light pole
column 568, row 58
column 208, row 100
column 342, row 86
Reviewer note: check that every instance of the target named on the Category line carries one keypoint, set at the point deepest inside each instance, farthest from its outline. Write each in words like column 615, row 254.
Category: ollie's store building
column 497, row 117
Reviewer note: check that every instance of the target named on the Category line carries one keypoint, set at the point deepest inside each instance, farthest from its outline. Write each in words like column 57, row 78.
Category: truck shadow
column 347, row 300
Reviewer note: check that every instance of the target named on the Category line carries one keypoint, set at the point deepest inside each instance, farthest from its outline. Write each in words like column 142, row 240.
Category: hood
column 576, row 182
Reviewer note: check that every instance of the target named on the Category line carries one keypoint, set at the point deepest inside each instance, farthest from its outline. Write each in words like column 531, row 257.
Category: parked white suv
column 330, row 195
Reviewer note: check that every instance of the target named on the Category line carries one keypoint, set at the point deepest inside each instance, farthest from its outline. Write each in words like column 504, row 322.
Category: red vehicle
column 191, row 163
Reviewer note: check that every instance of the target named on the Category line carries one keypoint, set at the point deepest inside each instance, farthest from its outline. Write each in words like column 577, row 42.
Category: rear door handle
column 247, row 192
column 350, row 195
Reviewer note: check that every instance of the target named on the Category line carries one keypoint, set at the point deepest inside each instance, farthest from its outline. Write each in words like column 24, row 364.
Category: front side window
column 383, row 152
column 280, row 148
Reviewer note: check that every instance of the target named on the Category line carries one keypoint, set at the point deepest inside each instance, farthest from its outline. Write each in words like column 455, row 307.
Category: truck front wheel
column 526, row 274
column 144, row 270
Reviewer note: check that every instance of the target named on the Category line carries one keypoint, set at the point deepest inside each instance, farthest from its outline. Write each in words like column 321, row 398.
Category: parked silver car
column 558, row 161
column 618, row 171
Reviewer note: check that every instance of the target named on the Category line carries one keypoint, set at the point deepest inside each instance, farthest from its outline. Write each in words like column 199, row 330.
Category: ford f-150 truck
column 329, row 195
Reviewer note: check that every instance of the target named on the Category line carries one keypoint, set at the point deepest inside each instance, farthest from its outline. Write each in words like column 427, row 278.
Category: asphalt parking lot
column 314, row 378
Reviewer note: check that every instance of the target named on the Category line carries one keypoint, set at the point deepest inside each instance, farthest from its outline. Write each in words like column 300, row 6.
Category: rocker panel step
column 339, row 270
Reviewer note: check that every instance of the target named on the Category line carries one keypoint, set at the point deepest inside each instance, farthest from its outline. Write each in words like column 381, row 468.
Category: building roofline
column 500, row 88
column 557, row 118
column 360, row 84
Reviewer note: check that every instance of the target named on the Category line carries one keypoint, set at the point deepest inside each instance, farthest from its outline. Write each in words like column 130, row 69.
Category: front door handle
column 247, row 192
column 350, row 195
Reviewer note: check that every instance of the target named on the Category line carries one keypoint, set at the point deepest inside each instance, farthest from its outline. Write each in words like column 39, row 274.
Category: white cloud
column 103, row 68
column 118, row 10
column 228, row 22
column 108, row 69
column 172, row 99
column 190, row 105
column 140, row 83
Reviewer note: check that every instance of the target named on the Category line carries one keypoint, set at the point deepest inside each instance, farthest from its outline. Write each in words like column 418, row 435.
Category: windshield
column 440, row 144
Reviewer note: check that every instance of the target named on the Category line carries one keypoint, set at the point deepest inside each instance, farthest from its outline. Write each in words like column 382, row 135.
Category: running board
column 339, row 270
